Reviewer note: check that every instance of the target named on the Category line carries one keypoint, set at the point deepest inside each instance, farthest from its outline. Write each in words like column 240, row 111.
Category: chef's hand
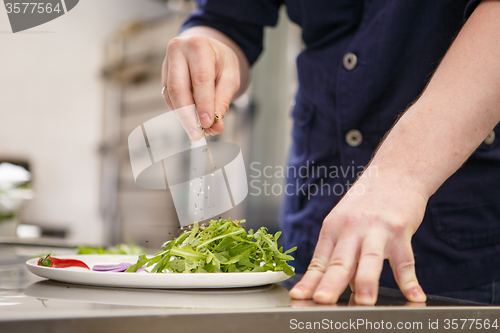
column 374, row 221
column 203, row 67
column 430, row 141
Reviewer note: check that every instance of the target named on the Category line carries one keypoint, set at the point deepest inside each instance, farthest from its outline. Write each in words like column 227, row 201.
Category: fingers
column 218, row 126
column 357, row 261
column 340, row 271
column 201, row 62
column 306, row 286
column 189, row 120
column 371, row 262
column 190, row 80
column 189, row 74
column 226, row 86
column 403, row 268
column 202, row 71
column 164, row 78
column 178, row 79
column 177, row 95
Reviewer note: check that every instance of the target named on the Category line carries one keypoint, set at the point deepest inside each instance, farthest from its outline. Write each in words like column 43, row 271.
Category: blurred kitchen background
column 73, row 89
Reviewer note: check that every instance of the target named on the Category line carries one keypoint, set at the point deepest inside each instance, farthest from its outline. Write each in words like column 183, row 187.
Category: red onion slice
column 122, row 267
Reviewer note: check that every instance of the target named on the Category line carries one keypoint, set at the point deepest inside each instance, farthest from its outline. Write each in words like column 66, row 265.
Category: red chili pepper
column 49, row 261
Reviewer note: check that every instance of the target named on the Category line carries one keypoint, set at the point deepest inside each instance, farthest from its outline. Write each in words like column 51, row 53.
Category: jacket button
column 490, row 138
column 350, row 61
column 354, row 138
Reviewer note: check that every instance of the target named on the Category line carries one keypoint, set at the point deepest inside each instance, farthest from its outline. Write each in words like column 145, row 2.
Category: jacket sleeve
column 470, row 7
column 241, row 20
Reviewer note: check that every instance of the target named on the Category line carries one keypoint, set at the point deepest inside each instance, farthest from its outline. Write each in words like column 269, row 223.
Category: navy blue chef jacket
column 397, row 45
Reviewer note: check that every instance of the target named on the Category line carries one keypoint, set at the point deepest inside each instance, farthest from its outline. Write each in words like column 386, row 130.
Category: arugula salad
column 222, row 246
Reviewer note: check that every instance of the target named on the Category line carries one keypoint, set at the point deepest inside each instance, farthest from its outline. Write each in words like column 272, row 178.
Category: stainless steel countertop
column 31, row 304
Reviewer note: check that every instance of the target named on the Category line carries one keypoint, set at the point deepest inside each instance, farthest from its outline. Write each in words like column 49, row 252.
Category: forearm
column 460, row 106
column 219, row 36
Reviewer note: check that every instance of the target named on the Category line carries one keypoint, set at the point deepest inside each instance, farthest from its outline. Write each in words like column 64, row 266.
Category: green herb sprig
column 223, row 246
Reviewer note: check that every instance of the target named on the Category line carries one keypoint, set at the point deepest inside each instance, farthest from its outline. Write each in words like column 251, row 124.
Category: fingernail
column 194, row 134
column 417, row 292
column 364, row 297
column 204, row 116
column 297, row 293
column 322, row 297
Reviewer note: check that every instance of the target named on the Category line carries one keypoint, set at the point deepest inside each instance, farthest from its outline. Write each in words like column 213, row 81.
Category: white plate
column 148, row 280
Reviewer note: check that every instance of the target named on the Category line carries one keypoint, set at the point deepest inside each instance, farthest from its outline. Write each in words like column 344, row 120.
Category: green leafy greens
column 223, row 246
